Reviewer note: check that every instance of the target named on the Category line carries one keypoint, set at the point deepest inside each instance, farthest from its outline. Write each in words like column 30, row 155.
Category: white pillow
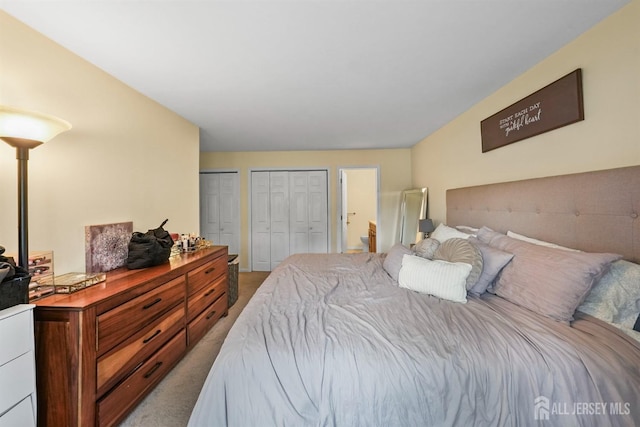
column 446, row 280
column 538, row 242
column 443, row 233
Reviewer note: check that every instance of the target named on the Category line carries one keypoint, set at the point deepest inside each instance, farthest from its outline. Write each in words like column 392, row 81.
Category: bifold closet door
column 288, row 215
column 219, row 216
column 260, row 222
column 308, row 212
column 279, row 207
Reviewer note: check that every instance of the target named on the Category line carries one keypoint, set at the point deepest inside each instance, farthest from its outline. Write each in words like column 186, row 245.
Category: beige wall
column 609, row 137
column 395, row 176
column 126, row 159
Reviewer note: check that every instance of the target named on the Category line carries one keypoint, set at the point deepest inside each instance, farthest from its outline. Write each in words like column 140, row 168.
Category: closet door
column 288, row 215
column 219, row 216
column 318, row 206
column 260, row 222
column 308, row 212
column 210, row 206
column 299, row 212
column 229, row 217
column 279, row 207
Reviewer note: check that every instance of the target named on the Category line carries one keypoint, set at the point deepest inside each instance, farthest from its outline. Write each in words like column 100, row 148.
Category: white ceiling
column 300, row 75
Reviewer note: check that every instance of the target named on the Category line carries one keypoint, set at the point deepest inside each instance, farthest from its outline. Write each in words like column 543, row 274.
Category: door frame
column 284, row 169
column 341, row 219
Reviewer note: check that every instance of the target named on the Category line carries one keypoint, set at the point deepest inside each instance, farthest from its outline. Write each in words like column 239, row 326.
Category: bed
column 341, row 340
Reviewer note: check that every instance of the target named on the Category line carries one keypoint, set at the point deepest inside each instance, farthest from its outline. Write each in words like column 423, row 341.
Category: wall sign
column 555, row 105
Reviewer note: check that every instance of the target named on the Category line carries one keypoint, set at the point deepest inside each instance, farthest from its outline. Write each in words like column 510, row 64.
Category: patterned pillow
column 460, row 250
column 426, row 248
column 616, row 297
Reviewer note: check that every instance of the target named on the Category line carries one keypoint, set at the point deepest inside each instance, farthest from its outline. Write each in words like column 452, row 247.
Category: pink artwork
column 106, row 246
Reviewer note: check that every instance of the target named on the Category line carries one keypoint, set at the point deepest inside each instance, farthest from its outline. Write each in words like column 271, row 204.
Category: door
column 260, row 222
column 279, row 212
column 359, row 203
column 219, row 209
column 288, row 215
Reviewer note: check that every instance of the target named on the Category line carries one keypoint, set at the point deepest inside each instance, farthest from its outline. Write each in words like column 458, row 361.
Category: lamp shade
column 425, row 226
column 28, row 128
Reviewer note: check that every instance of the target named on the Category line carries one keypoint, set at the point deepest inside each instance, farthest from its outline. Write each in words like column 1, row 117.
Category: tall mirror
column 413, row 208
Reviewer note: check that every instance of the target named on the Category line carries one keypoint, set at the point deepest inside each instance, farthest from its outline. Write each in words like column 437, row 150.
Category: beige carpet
column 171, row 402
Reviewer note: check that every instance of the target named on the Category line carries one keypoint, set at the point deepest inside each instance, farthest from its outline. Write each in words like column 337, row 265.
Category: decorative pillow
column 616, row 297
column 460, row 250
column 443, row 233
column 425, row 248
column 538, row 242
column 393, row 260
column 493, row 261
column 549, row 281
column 467, row 230
column 442, row 279
column 485, row 235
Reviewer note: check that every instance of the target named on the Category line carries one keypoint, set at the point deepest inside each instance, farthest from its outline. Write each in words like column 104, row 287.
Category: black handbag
column 150, row 248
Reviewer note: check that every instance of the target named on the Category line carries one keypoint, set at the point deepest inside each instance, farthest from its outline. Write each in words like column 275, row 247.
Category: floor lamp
column 24, row 130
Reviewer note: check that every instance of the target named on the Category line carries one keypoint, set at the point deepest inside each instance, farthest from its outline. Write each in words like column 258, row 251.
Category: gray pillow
column 493, row 261
column 549, row 281
column 460, row 250
column 393, row 261
column 426, row 248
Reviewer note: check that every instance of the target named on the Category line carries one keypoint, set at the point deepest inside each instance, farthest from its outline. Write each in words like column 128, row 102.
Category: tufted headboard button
column 577, row 213
column 634, row 215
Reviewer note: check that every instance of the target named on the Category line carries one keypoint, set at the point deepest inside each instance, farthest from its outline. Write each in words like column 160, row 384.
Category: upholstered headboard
column 592, row 211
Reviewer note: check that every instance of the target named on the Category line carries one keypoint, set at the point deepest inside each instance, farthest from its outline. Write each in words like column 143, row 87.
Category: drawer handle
column 151, row 304
column 210, row 270
column 210, row 315
column 155, row 334
column 210, row 292
column 152, row 370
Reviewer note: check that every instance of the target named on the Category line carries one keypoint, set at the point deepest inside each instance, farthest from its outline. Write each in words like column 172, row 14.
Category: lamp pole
column 22, row 154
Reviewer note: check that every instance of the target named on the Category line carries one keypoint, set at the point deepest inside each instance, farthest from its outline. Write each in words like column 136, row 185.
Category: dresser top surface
column 122, row 279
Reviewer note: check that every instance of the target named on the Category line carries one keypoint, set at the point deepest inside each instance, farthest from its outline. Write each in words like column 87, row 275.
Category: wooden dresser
column 100, row 350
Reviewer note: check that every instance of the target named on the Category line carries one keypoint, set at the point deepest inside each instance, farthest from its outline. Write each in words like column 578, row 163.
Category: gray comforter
column 331, row 340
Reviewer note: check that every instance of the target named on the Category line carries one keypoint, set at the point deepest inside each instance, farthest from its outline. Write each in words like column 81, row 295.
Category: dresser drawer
column 205, row 297
column 117, row 363
column 118, row 324
column 23, row 414
column 207, row 273
column 121, row 399
column 17, row 380
column 15, row 339
column 199, row 327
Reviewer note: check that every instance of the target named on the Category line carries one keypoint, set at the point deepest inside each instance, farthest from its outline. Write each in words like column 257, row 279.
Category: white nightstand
column 17, row 367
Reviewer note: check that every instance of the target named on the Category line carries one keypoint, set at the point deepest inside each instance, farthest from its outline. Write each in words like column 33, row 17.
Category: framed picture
column 555, row 105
